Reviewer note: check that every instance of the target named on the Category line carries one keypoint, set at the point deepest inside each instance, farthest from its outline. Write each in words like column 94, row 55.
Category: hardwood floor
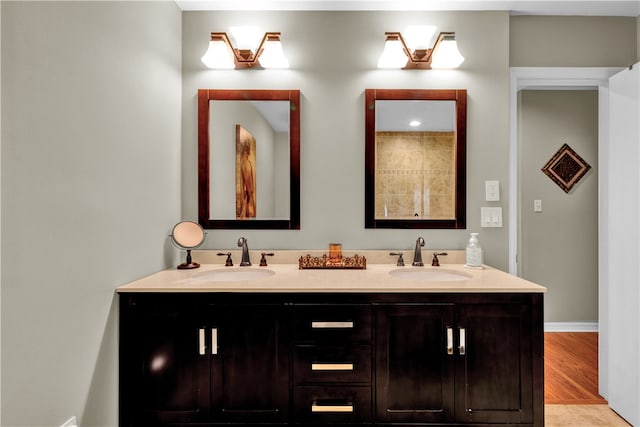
column 571, row 368
column 571, row 382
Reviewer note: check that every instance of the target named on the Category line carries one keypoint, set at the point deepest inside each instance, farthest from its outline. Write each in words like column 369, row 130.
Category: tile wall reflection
column 415, row 176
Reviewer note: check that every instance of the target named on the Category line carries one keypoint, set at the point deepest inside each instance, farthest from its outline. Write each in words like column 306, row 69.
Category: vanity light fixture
column 221, row 53
column 414, row 54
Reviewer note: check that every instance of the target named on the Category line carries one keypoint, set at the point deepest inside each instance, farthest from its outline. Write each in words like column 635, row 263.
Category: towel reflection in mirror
column 245, row 174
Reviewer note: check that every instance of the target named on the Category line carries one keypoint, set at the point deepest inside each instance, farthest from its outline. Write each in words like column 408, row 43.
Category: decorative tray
column 314, row 262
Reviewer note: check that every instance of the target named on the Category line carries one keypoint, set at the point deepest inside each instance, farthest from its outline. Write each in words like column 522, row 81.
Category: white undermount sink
column 234, row 275
column 429, row 275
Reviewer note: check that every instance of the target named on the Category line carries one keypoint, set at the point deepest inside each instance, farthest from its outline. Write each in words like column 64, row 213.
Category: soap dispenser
column 474, row 252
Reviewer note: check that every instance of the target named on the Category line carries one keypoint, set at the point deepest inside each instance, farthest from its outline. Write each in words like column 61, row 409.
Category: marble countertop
column 375, row 278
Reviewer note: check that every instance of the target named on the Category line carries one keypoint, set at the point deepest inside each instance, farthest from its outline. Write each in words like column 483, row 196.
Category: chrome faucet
column 417, row 253
column 242, row 243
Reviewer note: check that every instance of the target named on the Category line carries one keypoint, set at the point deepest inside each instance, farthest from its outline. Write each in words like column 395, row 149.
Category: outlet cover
column 492, row 191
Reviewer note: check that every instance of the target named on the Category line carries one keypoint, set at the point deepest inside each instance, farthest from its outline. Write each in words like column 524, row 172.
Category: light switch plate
column 492, row 191
column 537, row 205
column 490, row 217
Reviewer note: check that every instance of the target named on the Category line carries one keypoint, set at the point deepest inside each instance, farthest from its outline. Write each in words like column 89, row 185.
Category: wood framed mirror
column 415, row 158
column 249, row 159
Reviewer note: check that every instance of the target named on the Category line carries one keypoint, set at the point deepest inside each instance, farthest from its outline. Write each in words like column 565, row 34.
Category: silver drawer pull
column 214, row 340
column 336, row 325
column 463, row 342
column 202, row 347
column 331, row 408
column 332, row 366
column 449, row 340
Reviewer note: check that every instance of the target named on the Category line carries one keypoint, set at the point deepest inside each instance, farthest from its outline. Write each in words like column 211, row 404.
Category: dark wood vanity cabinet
column 495, row 370
column 250, row 368
column 188, row 359
column 331, row 358
column 163, row 378
column 332, row 363
column 415, row 375
column 469, row 363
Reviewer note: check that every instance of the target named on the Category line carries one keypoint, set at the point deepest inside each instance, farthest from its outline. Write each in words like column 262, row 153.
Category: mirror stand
column 188, row 264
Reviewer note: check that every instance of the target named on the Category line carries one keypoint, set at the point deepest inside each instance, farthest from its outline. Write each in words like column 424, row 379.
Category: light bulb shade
column 393, row 55
column 246, row 38
column 218, row 55
column 272, row 55
column 419, row 36
column 446, row 54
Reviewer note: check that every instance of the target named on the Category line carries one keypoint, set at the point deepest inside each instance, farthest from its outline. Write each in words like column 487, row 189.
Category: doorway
column 567, row 78
column 558, row 227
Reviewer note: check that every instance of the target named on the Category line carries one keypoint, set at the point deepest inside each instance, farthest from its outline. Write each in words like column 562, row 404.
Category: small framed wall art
column 566, row 168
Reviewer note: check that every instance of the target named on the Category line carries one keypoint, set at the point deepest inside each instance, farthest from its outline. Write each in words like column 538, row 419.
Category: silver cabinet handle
column 202, row 347
column 331, row 408
column 449, row 340
column 214, row 340
column 336, row 325
column 332, row 366
column 463, row 340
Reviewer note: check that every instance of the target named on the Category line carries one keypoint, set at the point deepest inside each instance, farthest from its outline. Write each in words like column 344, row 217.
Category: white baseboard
column 571, row 327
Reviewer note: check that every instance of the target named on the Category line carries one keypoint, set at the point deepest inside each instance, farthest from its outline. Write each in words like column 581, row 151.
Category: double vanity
column 283, row 345
column 385, row 345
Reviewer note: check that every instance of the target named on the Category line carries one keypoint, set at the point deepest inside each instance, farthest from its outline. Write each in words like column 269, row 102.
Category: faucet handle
column 229, row 261
column 263, row 259
column 435, row 262
column 400, row 262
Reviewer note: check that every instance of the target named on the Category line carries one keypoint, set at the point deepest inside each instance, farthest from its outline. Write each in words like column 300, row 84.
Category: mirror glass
column 187, row 235
column 248, row 154
column 415, row 151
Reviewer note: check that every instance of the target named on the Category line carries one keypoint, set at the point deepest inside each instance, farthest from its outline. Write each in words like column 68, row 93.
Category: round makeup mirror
column 187, row 235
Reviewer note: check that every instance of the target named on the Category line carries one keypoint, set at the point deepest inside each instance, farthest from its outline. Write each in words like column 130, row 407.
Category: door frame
column 567, row 78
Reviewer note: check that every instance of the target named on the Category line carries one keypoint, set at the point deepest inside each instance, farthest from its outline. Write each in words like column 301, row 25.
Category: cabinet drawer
column 328, row 405
column 339, row 323
column 322, row 363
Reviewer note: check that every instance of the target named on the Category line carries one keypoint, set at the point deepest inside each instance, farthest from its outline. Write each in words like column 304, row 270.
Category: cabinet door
column 164, row 374
column 414, row 363
column 250, row 370
column 494, row 364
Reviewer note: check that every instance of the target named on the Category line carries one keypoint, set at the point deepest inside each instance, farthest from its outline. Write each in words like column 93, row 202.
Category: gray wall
column 573, row 41
column 90, row 189
column 333, row 57
column 559, row 246
column 568, row 269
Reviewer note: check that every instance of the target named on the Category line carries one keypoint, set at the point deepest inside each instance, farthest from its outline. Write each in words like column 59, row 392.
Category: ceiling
column 395, row 116
column 515, row 7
